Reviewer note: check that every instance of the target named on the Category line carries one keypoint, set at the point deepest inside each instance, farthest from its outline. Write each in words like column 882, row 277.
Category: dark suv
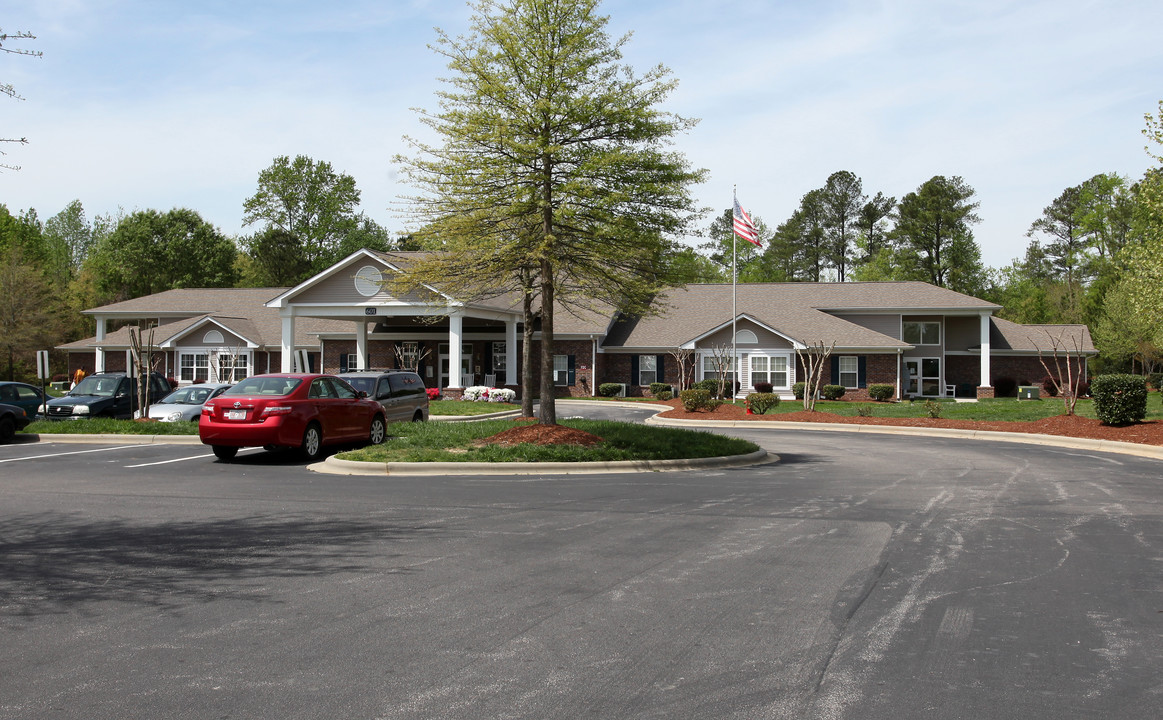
column 109, row 394
column 401, row 393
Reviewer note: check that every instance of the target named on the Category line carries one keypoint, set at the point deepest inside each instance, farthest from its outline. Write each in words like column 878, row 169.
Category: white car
column 185, row 403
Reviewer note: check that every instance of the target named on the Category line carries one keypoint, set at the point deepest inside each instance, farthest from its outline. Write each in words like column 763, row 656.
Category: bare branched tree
column 722, row 358
column 685, row 359
column 1070, row 360
column 411, row 360
column 813, row 357
column 8, row 89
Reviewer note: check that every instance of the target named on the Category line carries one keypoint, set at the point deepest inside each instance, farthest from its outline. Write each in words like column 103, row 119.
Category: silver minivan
column 400, row 392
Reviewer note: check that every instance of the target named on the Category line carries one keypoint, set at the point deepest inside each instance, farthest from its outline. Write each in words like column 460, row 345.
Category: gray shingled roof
column 1010, row 336
column 796, row 310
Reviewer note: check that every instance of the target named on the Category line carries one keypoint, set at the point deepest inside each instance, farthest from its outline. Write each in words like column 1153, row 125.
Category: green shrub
column 832, row 392
column 1119, row 399
column 711, row 386
column 663, row 395
column 932, row 409
column 798, row 390
column 609, row 389
column 864, row 410
column 1155, row 380
column 764, row 387
column 697, row 400
column 760, row 403
column 656, row 388
column 881, row 393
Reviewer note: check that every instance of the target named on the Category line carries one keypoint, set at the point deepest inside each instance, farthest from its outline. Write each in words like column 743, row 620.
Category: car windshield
column 364, row 384
column 192, row 395
column 93, row 385
column 273, row 386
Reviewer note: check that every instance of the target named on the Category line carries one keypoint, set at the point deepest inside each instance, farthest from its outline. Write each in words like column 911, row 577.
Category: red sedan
column 289, row 410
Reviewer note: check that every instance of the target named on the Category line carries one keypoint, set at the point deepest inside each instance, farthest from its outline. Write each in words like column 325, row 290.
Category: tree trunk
column 527, row 377
column 548, row 414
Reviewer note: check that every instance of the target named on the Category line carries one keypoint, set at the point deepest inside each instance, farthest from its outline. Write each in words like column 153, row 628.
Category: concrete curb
column 335, row 466
column 115, row 439
column 1148, row 451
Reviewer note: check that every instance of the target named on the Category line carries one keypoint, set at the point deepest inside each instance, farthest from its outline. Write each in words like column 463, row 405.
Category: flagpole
column 734, row 310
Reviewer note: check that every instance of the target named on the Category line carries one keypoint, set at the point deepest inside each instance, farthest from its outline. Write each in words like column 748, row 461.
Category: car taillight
column 207, row 410
column 276, row 410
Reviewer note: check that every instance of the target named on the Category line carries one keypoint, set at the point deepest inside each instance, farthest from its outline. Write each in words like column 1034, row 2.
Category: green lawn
column 105, row 426
column 455, row 442
column 465, row 407
column 1010, row 409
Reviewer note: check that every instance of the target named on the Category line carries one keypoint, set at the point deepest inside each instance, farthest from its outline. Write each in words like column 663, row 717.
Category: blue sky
column 167, row 104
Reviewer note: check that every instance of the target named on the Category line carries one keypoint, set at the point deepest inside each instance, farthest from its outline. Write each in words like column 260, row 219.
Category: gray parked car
column 185, row 403
column 400, row 392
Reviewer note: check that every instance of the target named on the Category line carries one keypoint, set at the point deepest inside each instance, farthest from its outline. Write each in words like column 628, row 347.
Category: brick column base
column 984, row 392
column 452, row 393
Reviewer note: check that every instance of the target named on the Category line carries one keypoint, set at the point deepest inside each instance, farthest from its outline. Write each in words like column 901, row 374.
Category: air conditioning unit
column 621, row 390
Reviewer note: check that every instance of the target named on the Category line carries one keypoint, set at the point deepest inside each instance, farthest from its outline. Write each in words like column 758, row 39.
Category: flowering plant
column 433, row 393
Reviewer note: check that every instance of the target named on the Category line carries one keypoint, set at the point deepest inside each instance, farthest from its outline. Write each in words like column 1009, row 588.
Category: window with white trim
column 769, row 369
column 647, row 369
column 233, row 367
column 849, row 367
column 500, row 363
column 561, row 369
column 410, row 354
column 193, row 366
column 711, row 367
column 921, row 333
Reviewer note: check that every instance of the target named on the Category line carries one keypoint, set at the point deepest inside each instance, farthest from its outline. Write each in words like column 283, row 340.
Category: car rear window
column 270, row 386
column 366, row 384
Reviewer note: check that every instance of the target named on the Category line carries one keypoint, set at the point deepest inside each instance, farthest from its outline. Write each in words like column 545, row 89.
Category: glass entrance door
column 466, row 378
column 923, row 377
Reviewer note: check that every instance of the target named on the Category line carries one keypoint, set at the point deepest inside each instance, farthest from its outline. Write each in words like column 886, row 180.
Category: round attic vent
column 368, row 281
column 746, row 337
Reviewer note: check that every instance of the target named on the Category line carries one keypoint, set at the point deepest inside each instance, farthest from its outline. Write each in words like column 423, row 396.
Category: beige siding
column 196, row 338
column 962, row 333
column 340, row 288
column 884, row 324
column 766, row 338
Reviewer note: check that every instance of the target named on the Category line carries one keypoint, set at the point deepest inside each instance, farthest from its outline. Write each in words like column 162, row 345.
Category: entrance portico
column 354, row 290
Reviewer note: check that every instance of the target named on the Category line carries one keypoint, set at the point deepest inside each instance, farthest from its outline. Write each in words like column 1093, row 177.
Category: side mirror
column 361, row 393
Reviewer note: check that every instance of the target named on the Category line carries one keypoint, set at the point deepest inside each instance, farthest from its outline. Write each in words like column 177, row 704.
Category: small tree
column 813, row 357
column 411, row 360
column 685, row 359
column 1068, row 382
column 722, row 359
column 143, row 363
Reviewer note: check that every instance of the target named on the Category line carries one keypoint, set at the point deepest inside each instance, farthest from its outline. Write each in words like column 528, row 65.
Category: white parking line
column 191, row 457
column 74, row 452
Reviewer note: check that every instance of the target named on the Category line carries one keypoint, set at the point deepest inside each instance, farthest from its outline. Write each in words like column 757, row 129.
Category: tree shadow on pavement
column 51, row 562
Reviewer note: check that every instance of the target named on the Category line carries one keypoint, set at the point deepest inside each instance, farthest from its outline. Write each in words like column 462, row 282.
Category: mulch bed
column 542, row 435
column 1149, row 432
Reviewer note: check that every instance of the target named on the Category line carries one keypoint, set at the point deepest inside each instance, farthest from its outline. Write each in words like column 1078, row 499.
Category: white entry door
column 466, row 378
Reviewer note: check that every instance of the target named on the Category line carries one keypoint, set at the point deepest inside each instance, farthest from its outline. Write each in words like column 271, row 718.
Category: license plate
column 235, row 414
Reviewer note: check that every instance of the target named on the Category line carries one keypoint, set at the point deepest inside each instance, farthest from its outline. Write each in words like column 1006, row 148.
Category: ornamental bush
column 432, row 393
column 711, row 386
column 656, row 388
column 473, row 393
column 1155, row 380
column 881, row 392
column 697, row 400
column 764, row 387
column 609, row 389
column 832, row 392
column 798, row 390
column 761, row 402
column 664, row 395
column 1119, row 399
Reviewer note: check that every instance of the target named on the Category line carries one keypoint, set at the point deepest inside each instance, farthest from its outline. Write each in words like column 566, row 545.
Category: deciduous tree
column 557, row 153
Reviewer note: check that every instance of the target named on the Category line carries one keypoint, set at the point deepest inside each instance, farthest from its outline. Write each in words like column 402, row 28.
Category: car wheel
column 418, row 417
column 7, row 429
column 376, row 437
column 225, row 453
column 312, row 446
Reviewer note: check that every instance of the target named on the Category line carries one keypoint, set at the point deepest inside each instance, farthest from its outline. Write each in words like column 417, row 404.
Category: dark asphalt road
column 860, row 577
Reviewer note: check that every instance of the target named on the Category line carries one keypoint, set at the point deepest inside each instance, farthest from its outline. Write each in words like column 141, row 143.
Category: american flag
column 744, row 228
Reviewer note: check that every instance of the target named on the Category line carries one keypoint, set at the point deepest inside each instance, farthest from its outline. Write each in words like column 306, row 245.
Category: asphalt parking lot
column 858, row 577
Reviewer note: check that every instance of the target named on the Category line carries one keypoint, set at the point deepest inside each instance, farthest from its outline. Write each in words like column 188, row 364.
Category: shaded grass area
column 457, row 442
column 107, row 426
column 993, row 409
column 465, row 407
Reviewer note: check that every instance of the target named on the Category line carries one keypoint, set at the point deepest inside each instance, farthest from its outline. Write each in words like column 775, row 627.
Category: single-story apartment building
column 924, row 340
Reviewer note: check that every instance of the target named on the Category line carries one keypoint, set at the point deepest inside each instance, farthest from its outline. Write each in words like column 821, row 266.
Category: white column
column 455, row 332
column 985, row 381
column 511, row 356
column 99, row 352
column 287, row 344
column 360, row 346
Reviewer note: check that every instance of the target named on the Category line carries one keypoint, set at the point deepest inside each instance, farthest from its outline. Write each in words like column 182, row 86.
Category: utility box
column 1028, row 392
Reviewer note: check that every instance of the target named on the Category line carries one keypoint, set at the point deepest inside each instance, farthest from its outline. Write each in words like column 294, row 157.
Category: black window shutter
column 835, row 370
column 862, row 373
column 342, row 362
column 572, row 371
column 661, row 368
column 489, row 356
column 633, row 369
